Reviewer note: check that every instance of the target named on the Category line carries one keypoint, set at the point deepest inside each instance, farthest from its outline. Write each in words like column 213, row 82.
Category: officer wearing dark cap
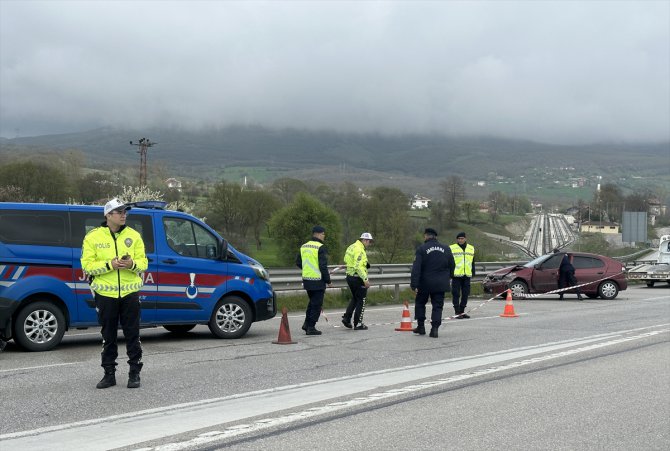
column 313, row 260
column 433, row 264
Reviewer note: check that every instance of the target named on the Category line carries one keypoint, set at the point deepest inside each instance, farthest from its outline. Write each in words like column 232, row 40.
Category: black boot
column 347, row 322
column 361, row 326
column 433, row 331
column 108, row 380
column 133, row 379
column 311, row 330
column 304, row 326
column 419, row 329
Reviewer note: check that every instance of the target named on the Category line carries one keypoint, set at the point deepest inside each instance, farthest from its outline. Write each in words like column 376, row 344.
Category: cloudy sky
column 550, row 71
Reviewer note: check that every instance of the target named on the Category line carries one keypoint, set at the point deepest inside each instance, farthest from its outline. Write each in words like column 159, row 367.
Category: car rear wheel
column 608, row 290
column 231, row 318
column 650, row 284
column 39, row 326
column 519, row 289
column 179, row 329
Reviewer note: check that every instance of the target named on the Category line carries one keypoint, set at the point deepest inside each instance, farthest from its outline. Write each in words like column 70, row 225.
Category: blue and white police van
column 194, row 275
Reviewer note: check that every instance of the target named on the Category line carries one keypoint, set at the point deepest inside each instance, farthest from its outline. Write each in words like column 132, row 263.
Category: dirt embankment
column 518, row 229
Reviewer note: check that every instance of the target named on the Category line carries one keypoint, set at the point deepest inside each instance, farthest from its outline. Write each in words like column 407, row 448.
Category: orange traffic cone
column 406, row 320
column 509, row 307
column 284, row 337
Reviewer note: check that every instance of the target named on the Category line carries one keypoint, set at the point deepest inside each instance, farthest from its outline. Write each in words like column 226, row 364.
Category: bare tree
column 453, row 192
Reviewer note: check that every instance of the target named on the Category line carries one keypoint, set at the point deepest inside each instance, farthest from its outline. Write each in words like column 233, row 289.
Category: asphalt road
column 563, row 375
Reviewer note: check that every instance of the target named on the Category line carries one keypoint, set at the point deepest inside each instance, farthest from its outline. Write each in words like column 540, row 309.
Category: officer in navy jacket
column 432, row 267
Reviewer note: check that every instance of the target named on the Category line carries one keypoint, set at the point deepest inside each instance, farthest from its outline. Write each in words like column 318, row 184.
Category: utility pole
column 143, row 144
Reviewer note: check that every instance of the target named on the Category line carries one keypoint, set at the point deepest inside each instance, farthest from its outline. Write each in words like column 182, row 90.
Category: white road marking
column 214, row 436
column 134, row 427
column 40, row 367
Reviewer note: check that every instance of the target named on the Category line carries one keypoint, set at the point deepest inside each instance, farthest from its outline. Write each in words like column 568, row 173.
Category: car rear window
column 580, row 262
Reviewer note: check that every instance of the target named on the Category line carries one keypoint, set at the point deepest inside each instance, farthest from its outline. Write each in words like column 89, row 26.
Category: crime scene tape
column 561, row 290
column 529, row 296
column 480, row 305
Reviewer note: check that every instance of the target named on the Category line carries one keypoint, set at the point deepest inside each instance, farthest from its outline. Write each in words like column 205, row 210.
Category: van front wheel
column 39, row 326
column 231, row 318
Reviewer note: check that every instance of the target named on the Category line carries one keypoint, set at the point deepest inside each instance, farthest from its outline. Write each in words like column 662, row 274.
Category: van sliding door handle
column 170, row 261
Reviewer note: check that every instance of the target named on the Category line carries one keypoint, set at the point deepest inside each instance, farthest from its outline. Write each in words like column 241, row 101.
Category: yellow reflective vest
column 309, row 253
column 100, row 247
column 463, row 259
column 356, row 260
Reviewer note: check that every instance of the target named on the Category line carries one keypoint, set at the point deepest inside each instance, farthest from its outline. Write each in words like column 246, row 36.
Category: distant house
column 419, row 203
column 572, row 211
column 173, row 183
column 655, row 209
column 599, row 227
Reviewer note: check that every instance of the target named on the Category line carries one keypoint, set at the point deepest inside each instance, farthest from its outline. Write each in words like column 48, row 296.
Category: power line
column 143, row 144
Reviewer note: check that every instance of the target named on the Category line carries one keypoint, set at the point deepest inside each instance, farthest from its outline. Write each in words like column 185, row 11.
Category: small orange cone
column 284, row 337
column 509, row 307
column 406, row 320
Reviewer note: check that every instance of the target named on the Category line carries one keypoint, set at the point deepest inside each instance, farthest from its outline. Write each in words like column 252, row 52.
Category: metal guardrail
column 396, row 275
column 385, row 275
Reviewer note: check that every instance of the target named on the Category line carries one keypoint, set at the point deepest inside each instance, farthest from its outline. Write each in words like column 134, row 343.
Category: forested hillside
column 413, row 155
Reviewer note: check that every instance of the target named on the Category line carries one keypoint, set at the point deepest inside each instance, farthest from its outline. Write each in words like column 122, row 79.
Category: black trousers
column 314, row 306
column 568, row 279
column 460, row 290
column 111, row 312
column 436, row 300
column 356, row 306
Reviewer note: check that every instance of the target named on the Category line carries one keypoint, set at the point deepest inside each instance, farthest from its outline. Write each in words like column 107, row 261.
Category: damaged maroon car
column 604, row 276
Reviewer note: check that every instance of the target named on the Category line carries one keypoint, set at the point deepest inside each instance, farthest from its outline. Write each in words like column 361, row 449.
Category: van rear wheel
column 39, row 326
column 231, row 318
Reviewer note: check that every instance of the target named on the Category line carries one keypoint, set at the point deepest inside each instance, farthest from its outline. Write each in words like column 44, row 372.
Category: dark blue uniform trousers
column 111, row 312
column 314, row 306
column 460, row 290
column 436, row 300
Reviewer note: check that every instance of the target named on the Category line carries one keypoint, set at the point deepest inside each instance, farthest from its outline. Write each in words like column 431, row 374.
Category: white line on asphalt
column 152, row 424
column 38, row 367
column 214, row 436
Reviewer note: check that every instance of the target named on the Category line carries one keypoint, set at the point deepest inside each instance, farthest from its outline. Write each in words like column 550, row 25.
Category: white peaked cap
column 114, row 204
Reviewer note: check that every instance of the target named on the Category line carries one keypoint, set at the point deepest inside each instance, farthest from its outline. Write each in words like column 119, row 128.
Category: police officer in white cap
column 356, row 260
column 114, row 258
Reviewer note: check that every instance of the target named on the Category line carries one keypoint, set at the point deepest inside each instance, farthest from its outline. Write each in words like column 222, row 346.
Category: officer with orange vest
column 464, row 257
